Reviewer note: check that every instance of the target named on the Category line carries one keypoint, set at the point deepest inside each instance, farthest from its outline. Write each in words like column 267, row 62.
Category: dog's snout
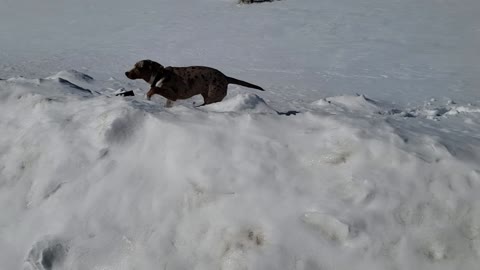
column 126, row 73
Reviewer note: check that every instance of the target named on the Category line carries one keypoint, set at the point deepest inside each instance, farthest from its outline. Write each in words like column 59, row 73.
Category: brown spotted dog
column 184, row 82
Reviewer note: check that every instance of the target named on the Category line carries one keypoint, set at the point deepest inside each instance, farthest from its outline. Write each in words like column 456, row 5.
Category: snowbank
column 93, row 182
column 380, row 180
column 245, row 102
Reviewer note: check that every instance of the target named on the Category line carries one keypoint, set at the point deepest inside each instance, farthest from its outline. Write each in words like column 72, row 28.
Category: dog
column 184, row 82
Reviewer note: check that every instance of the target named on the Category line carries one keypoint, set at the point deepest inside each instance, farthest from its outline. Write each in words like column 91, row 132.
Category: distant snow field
column 363, row 153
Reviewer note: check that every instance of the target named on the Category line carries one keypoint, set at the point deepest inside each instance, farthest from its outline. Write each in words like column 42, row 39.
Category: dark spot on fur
column 190, row 82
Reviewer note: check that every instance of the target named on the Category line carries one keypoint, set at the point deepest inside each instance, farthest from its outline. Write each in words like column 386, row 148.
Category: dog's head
column 144, row 69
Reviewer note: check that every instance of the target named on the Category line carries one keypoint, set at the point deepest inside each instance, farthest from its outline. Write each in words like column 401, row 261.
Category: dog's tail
column 242, row 83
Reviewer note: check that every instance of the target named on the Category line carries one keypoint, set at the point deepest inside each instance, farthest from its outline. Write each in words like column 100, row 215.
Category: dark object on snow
column 253, row 1
column 288, row 113
column 125, row 94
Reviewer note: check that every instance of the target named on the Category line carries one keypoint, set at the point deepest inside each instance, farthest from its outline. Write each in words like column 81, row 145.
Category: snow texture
column 377, row 168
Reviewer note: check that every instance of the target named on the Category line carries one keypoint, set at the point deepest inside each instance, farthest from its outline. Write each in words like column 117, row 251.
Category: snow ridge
column 121, row 182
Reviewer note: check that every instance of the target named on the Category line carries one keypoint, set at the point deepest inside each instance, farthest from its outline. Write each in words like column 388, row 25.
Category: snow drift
column 385, row 179
column 97, row 182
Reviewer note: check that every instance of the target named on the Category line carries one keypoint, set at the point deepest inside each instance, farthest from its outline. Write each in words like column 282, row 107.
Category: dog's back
column 200, row 77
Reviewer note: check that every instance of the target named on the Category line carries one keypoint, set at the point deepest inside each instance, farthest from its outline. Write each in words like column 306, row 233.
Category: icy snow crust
column 94, row 181
column 376, row 168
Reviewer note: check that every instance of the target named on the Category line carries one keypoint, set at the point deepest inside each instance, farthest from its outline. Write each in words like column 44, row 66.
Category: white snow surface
column 363, row 152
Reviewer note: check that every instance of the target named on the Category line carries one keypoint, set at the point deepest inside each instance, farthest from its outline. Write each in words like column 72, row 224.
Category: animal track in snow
column 46, row 254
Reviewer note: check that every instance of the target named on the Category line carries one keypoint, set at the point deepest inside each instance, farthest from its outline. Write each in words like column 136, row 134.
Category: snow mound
column 367, row 106
column 347, row 103
column 73, row 79
column 71, row 85
column 73, row 76
column 23, row 80
column 245, row 102
column 114, row 183
column 51, row 86
column 331, row 227
column 434, row 112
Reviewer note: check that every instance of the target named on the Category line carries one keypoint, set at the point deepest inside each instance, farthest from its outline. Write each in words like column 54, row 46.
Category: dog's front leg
column 167, row 93
column 150, row 93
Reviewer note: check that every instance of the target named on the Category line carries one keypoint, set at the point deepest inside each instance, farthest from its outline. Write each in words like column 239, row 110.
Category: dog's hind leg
column 216, row 93
column 205, row 98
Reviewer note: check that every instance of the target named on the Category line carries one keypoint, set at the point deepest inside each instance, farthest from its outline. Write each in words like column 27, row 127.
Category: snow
column 246, row 102
column 363, row 152
column 117, row 183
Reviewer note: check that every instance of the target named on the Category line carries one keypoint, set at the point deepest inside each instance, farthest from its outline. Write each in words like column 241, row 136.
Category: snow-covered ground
column 377, row 169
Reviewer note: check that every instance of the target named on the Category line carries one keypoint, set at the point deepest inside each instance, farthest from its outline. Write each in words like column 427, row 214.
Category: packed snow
column 363, row 152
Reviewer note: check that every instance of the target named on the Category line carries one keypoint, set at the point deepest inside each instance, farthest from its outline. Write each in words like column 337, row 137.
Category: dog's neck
column 156, row 80
column 152, row 78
